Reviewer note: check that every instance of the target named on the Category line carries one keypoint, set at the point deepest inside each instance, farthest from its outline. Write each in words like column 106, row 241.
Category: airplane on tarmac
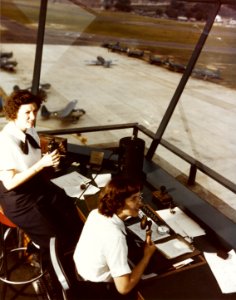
column 5, row 63
column 206, row 74
column 135, row 53
column 6, row 54
column 115, row 47
column 68, row 114
column 174, row 66
column 156, row 60
column 101, row 61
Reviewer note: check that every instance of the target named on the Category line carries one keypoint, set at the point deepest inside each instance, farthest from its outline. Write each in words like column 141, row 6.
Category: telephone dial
column 149, row 212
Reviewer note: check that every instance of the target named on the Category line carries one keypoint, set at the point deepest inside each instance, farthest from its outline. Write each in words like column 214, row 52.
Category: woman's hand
column 149, row 246
column 50, row 159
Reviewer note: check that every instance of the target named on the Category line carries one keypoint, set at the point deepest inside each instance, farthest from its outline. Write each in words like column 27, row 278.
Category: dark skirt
column 42, row 210
column 101, row 291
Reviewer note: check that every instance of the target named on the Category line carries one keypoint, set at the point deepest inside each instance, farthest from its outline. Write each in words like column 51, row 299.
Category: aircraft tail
column 67, row 110
column 45, row 113
column 101, row 60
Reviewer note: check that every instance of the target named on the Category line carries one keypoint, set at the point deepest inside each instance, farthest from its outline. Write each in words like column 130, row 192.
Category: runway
column 134, row 91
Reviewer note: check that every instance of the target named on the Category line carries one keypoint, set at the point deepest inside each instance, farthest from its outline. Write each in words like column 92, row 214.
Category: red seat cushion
column 4, row 220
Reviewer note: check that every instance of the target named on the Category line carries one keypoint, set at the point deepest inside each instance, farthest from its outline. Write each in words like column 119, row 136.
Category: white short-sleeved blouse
column 11, row 155
column 102, row 253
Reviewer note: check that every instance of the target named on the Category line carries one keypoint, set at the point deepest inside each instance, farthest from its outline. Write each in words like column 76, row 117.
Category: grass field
column 159, row 36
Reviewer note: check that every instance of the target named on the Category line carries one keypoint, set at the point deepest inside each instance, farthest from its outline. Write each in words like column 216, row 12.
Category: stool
column 7, row 227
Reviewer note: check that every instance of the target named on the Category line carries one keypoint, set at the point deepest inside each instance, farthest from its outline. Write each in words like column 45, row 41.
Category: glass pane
column 122, row 62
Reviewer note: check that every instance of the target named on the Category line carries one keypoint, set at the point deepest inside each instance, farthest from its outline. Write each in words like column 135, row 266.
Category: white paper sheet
column 101, row 179
column 76, row 191
column 181, row 223
column 224, row 270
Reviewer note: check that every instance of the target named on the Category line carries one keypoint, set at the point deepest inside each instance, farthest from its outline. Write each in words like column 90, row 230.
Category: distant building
column 182, row 18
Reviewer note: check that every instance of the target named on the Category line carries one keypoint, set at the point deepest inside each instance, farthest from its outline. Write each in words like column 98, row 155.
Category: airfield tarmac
column 135, row 91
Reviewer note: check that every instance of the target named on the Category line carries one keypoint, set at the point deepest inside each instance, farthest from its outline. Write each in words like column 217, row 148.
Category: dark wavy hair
column 112, row 198
column 18, row 98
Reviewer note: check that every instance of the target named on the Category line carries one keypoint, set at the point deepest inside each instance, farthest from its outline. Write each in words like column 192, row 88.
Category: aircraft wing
column 93, row 63
column 65, row 112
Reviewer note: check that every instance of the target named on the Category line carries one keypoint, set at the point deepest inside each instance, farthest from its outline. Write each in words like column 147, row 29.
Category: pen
column 181, row 266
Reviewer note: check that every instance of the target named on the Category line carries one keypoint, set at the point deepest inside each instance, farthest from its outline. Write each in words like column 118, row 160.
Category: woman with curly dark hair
column 101, row 255
column 28, row 198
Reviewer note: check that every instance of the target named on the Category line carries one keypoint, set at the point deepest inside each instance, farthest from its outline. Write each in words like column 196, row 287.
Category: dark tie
column 31, row 140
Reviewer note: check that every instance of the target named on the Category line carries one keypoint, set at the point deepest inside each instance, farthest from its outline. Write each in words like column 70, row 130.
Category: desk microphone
column 83, row 186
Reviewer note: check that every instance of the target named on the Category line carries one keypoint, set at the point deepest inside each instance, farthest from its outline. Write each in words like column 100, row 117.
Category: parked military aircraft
column 174, row 66
column 6, row 54
column 115, row 47
column 68, row 114
column 101, row 61
column 135, row 53
column 206, row 74
column 5, row 63
column 155, row 60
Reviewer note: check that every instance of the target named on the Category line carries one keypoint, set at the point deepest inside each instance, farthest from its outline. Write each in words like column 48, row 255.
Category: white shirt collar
column 118, row 222
column 12, row 129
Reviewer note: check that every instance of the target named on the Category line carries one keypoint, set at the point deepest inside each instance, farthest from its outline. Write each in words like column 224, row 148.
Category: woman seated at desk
column 28, row 198
column 101, row 255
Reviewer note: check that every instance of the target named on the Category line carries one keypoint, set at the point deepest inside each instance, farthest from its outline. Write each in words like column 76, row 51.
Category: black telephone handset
column 53, row 145
column 146, row 224
column 162, row 227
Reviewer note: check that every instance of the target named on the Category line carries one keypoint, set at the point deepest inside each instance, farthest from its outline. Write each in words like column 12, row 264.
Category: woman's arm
column 12, row 179
column 126, row 283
